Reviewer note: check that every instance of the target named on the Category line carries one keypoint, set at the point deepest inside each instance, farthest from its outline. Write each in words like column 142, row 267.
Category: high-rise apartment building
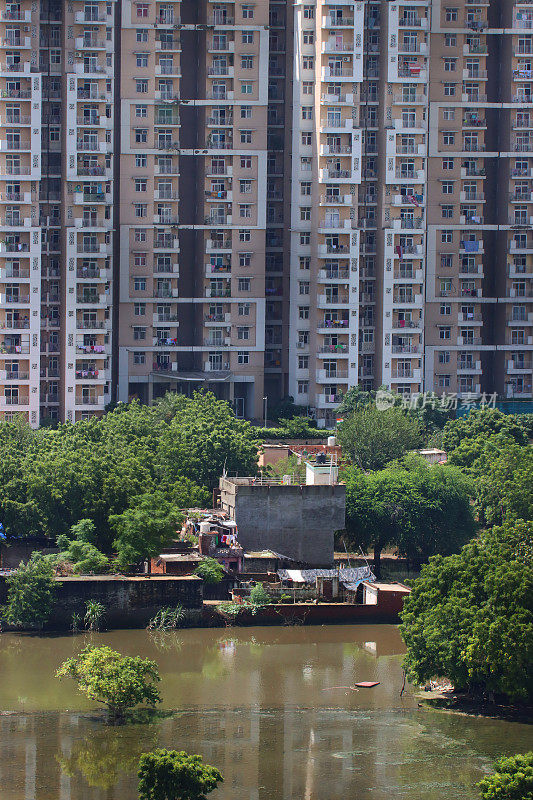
column 263, row 198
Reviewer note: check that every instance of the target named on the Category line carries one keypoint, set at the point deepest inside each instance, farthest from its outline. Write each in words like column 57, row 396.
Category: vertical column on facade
column 514, row 323
column 20, row 231
column 326, row 174
column 88, row 210
column 465, row 120
column 404, row 200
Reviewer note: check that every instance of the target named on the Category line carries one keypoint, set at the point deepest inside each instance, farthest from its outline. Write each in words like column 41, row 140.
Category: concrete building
column 263, row 198
column 295, row 520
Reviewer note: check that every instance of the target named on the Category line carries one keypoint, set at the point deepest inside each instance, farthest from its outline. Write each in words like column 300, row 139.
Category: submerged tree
column 175, row 775
column 119, row 682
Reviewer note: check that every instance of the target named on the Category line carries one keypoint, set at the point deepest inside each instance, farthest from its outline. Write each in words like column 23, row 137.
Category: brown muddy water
column 259, row 704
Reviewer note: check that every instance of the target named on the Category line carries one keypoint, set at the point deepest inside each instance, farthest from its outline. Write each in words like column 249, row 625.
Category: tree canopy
column 511, row 780
column 175, row 775
column 371, row 437
column 417, row 509
column 469, row 616
column 100, row 469
column 119, row 682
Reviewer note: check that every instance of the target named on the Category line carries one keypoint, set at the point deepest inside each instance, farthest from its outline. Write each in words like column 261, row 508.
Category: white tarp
column 345, row 574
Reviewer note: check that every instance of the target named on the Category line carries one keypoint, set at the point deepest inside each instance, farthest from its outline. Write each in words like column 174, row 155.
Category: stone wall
column 130, row 602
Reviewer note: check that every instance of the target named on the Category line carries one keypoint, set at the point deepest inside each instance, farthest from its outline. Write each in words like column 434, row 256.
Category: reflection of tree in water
column 103, row 756
column 166, row 640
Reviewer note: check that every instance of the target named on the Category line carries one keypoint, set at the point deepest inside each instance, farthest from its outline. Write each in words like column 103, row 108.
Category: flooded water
column 261, row 704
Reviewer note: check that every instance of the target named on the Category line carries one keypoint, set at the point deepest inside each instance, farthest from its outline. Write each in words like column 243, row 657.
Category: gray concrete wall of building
column 296, row 521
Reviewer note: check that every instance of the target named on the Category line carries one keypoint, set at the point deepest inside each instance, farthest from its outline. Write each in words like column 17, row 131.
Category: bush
column 512, row 779
column 210, row 571
column 30, row 593
column 175, row 775
column 259, row 596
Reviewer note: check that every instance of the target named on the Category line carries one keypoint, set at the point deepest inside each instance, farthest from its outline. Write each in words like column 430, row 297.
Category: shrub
column 512, row 779
column 259, row 596
column 175, row 775
column 30, row 593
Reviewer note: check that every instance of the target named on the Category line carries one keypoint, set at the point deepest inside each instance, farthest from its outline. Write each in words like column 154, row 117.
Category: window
column 243, row 333
column 447, row 212
column 246, row 88
column 139, row 333
column 247, row 12
column 445, row 332
column 303, row 362
column 140, row 209
column 307, row 139
column 139, row 309
column 139, row 285
column 448, row 138
column 445, row 309
column 451, row 15
column 444, row 357
column 446, row 260
column 246, row 112
column 246, row 162
column 449, row 90
column 243, row 357
column 303, row 387
column 244, row 309
column 247, row 62
column 308, row 37
column 140, row 160
column 245, row 211
column 141, row 135
column 308, row 62
column 447, row 187
column 444, row 381
column 141, row 34
column 244, row 235
column 305, row 188
column 245, row 187
column 140, row 184
column 447, row 163
column 142, row 10
column 446, row 237
column 245, row 259
column 448, row 113
column 307, row 87
column 450, row 40
column 305, row 238
column 305, row 214
column 303, row 287
column 305, row 262
column 141, row 59
column 141, row 112
column 303, row 312
column 247, row 37
column 307, row 112
column 450, row 64
column 140, row 235
column 139, row 357
column 141, row 85
column 244, row 284
column 309, row 12
column 246, row 137
column 139, row 259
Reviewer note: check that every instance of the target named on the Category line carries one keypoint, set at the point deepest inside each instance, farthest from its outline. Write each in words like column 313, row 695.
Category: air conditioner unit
column 346, row 58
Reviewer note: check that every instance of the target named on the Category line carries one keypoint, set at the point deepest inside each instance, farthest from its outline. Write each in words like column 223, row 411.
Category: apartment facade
column 263, row 198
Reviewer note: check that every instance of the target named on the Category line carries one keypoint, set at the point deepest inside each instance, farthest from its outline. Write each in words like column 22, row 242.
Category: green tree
column 30, row 593
column 175, row 775
column 469, row 616
column 512, row 779
column 371, row 437
column 418, row 509
column 486, row 422
column 210, row 570
column 142, row 532
column 119, row 682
